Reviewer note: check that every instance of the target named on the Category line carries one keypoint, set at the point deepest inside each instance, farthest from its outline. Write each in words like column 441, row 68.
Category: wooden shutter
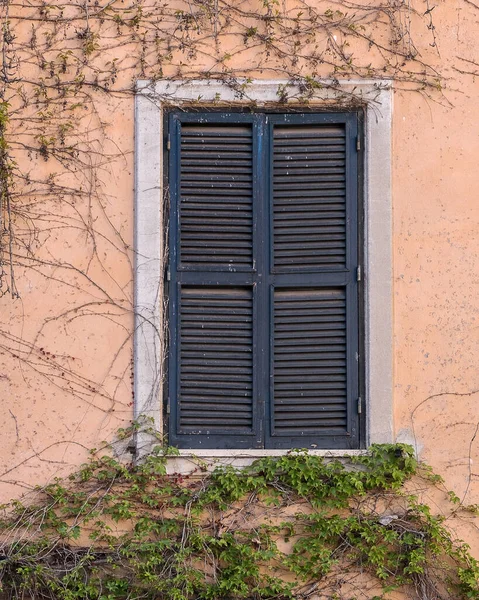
column 216, row 366
column 314, row 331
column 310, row 360
column 212, row 300
column 264, row 319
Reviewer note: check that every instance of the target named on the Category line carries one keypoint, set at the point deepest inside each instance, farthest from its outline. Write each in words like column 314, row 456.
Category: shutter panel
column 313, row 287
column 216, row 367
column 309, row 361
column 309, row 202
column 212, row 300
column 216, row 196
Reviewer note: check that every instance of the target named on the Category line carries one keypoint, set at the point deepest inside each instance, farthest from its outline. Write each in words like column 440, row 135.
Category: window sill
column 260, row 453
column 189, row 462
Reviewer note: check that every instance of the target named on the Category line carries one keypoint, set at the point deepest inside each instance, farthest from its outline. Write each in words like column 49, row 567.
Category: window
column 263, row 280
column 153, row 101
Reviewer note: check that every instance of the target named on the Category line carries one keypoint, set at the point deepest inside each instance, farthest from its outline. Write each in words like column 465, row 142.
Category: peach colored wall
column 76, row 294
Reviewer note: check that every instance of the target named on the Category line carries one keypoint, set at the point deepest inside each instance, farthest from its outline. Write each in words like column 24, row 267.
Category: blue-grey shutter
column 310, row 360
column 314, row 296
column 263, row 298
column 216, row 364
column 212, row 299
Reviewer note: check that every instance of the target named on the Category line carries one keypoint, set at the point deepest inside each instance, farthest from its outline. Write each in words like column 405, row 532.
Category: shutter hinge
column 360, row 406
column 359, row 273
column 168, row 142
column 358, row 144
column 168, row 274
column 168, row 408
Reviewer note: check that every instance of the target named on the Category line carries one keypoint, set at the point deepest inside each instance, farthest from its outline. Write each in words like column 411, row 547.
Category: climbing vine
column 296, row 526
column 68, row 76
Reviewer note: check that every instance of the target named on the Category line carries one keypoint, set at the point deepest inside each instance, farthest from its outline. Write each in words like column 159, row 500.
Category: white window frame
column 149, row 340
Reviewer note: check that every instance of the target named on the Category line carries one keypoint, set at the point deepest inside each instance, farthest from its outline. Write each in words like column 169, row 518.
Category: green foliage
column 114, row 531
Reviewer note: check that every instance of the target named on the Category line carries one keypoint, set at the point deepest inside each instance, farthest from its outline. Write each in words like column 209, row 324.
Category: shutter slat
column 312, row 209
column 214, row 131
column 300, row 163
column 224, row 362
column 312, row 361
column 283, row 216
column 215, row 394
column 311, row 252
column 233, row 325
column 312, row 323
column 319, row 167
column 324, row 397
column 215, row 177
column 193, row 370
column 218, row 182
column 216, row 380
column 302, row 192
column 200, row 192
column 302, row 203
column 216, row 192
column 304, row 131
column 311, row 427
column 329, row 347
column 331, row 380
column 309, row 374
column 198, row 400
column 325, row 391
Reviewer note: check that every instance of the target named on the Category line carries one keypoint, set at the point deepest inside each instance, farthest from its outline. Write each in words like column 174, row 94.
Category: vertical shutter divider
column 261, row 290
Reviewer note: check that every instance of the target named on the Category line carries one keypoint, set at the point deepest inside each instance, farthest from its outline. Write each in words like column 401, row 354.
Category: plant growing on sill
column 115, row 531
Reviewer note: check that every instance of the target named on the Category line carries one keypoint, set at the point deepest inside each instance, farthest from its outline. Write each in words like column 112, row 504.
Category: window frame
column 149, row 343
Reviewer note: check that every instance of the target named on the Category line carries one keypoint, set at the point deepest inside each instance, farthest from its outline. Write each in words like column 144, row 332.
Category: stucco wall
column 66, row 350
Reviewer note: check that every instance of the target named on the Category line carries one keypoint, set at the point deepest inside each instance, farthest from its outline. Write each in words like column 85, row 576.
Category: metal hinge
column 168, row 142
column 168, row 408
column 168, row 274
column 359, row 273
column 358, row 144
column 360, row 406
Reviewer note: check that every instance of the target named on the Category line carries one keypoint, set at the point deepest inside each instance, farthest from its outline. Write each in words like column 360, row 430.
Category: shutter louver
column 309, row 197
column 216, row 196
column 309, row 362
column 216, row 364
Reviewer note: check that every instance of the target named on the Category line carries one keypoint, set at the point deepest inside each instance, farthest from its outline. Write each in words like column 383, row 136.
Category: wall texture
column 68, row 76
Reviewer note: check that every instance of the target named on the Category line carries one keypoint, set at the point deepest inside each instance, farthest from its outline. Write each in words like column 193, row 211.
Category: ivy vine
column 122, row 532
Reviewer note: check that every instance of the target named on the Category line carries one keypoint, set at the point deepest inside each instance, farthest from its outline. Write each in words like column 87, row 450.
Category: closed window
column 264, row 299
